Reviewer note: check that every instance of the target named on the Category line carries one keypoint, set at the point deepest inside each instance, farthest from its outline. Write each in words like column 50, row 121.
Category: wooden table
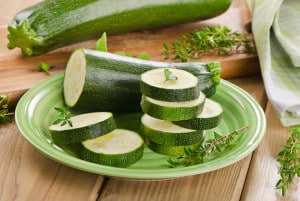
column 26, row 174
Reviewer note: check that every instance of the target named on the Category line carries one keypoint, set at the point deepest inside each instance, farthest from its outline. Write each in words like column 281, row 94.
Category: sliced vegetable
column 171, row 150
column 166, row 133
column 210, row 117
column 84, row 126
column 172, row 111
column 102, row 81
column 119, row 148
column 170, row 85
column 56, row 23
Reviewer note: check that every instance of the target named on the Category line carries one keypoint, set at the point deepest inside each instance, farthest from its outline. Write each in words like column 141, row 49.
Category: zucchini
column 102, row 81
column 120, row 148
column 210, row 117
column 167, row 133
column 170, row 85
column 84, row 126
column 179, row 150
column 172, row 111
column 55, row 23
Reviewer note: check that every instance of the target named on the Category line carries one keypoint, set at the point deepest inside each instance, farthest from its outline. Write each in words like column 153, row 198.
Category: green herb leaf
column 169, row 75
column 5, row 115
column 64, row 117
column 210, row 40
column 198, row 155
column 101, row 43
column 43, row 67
column 289, row 159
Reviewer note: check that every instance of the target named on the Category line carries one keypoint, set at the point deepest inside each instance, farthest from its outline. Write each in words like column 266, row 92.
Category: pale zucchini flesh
column 119, row 148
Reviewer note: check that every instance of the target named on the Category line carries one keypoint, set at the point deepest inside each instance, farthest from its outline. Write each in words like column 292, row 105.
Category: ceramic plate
column 35, row 112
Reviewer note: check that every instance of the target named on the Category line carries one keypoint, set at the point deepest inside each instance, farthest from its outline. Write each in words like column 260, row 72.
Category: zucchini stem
column 23, row 36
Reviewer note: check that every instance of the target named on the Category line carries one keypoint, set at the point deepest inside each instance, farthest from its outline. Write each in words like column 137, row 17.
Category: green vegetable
column 289, row 159
column 167, row 133
column 172, row 111
column 119, row 148
column 209, row 40
column 210, row 117
column 171, row 150
column 101, row 43
column 156, row 84
column 5, row 115
column 96, row 80
column 84, row 126
column 56, row 23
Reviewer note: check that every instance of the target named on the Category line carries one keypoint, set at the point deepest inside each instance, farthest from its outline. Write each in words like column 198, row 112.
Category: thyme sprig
column 289, row 159
column 44, row 67
column 5, row 115
column 64, row 117
column 197, row 156
column 209, row 40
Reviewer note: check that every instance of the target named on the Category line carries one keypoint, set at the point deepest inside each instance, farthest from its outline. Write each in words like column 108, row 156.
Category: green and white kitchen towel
column 276, row 30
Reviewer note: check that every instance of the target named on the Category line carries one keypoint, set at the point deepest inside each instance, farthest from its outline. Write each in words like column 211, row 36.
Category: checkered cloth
column 276, row 30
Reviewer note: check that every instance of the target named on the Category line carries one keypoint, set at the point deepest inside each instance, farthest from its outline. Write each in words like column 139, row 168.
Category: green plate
column 35, row 112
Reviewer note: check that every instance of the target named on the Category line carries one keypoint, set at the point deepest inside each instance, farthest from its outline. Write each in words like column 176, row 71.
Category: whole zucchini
column 102, row 81
column 51, row 24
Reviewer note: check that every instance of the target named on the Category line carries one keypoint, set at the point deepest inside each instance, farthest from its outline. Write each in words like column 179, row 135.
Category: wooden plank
column 264, row 167
column 26, row 174
column 223, row 185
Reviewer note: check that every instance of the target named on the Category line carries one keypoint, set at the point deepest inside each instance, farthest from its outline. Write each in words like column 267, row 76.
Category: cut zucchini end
column 74, row 77
column 119, row 148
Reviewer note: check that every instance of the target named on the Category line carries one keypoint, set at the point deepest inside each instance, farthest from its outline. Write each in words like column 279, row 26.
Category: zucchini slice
column 170, row 85
column 167, row 133
column 119, row 148
column 210, row 117
column 171, row 150
column 172, row 111
column 85, row 126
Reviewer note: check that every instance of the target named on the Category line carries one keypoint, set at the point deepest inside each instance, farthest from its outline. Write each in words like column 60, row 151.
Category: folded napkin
column 276, row 30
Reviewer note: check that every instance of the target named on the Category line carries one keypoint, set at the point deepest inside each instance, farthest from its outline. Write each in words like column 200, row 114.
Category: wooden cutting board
column 17, row 73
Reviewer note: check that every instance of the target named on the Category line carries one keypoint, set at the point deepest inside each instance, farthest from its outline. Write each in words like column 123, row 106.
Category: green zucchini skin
column 51, row 24
column 112, row 81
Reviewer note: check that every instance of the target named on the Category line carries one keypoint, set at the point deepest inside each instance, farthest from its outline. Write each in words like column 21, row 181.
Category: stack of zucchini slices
column 177, row 113
column 101, row 141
